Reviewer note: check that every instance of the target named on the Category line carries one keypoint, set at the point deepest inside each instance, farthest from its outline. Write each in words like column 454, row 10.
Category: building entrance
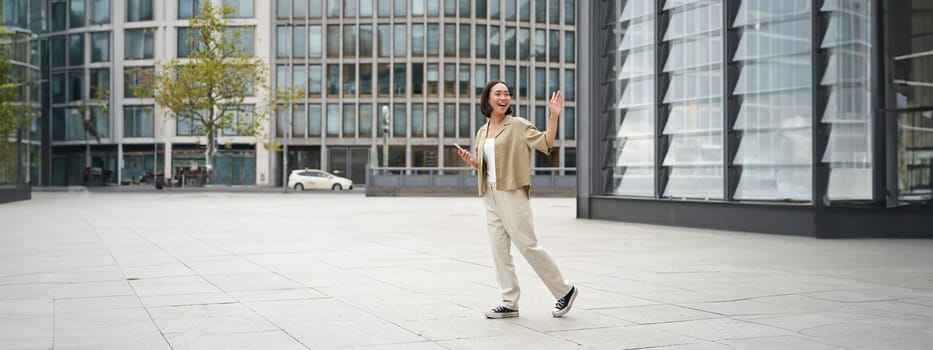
column 348, row 162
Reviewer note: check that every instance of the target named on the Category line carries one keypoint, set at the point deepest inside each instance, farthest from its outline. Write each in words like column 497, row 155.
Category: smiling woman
column 502, row 158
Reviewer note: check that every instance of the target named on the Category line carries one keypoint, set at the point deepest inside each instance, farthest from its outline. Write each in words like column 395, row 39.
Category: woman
column 503, row 163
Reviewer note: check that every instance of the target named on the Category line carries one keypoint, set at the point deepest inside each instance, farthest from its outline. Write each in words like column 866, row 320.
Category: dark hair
column 484, row 106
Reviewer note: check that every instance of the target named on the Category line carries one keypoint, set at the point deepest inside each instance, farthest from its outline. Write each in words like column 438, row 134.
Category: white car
column 312, row 179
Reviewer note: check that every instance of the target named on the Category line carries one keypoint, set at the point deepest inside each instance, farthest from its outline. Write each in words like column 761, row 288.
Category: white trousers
column 509, row 220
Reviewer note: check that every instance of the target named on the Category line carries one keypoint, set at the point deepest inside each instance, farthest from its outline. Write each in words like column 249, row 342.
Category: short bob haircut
column 484, row 106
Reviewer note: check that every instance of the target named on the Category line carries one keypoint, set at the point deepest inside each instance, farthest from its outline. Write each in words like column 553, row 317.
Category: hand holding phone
column 458, row 146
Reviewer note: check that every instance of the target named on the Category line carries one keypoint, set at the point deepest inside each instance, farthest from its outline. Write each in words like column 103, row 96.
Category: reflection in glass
column 694, row 98
column 847, row 43
column 773, row 91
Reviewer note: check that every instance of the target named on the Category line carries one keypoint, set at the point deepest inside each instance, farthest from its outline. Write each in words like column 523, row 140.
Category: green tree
column 14, row 113
column 210, row 85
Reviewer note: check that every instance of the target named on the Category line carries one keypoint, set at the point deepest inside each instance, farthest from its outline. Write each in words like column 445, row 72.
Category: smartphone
column 458, row 146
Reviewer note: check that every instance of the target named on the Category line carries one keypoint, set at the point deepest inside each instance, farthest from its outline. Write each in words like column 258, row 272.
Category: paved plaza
column 322, row 270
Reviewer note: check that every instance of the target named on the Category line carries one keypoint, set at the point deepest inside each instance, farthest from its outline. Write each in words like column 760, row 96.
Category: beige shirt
column 516, row 139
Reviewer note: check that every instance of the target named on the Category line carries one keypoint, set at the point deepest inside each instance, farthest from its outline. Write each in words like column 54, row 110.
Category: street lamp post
column 385, row 136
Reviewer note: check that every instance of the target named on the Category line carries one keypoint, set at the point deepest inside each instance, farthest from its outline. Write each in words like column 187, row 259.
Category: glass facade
column 424, row 60
column 793, row 104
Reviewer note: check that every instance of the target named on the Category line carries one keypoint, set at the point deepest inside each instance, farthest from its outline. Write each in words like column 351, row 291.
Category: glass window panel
column 366, row 8
column 281, row 76
column 494, row 42
column 299, row 120
column 540, row 83
column 384, row 79
column 480, row 41
column 464, row 79
column 241, row 8
column 99, row 83
column 75, row 85
column 524, row 43
column 434, row 8
column 315, row 41
column 383, row 119
column 417, row 79
column 417, row 8
column 76, row 49
column 366, row 40
column 384, row 41
column 417, row 120
column 401, row 40
column 450, row 8
column 450, row 120
column 554, row 45
column 100, row 47
column 314, row 120
column 299, row 75
column 432, row 120
column 315, row 80
column 349, row 80
column 511, row 11
column 349, row 8
column 139, row 43
column 189, row 8
column 366, row 120
column 282, row 49
column 349, row 41
column 465, row 40
column 299, row 39
column 333, row 80
column 300, row 8
column 333, row 8
column 283, row 8
column 510, row 52
column 465, row 131
column 417, row 39
column 385, row 8
column 57, row 50
column 366, row 79
column 524, row 10
column 138, row 10
column 132, row 78
column 433, row 77
column 77, row 13
column 333, row 120
column 349, row 121
column 400, row 8
column 399, row 121
column 137, row 121
column 540, row 10
column 450, row 40
column 58, row 88
column 434, row 40
column 400, row 79
column 100, row 13
column 480, row 81
column 333, row 40
column 450, row 79
column 569, row 47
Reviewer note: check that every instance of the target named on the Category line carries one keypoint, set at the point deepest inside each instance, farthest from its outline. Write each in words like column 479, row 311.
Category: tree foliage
column 209, row 86
column 13, row 112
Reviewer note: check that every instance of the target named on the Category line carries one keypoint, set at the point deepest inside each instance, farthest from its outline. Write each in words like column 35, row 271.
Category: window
column 524, row 9
column 524, row 43
column 417, row 8
column 241, row 8
column 417, row 40
column 464, row 80
column 465, row 117
column 385, row 8
column 139, row 43
column 314, row 120
column 431, row 123
column 315, row 79
column 100, row 83
column 450, row 120
column 137, row 121
column 185, row 38
column 333, row 8
column 569, row 47
column 99, row 121
column 75, row 85
column 450, row 79
column 400, row 79
column 480, row 41
column 510, row 53
column 241, row 120
column 384, row 40
column 384, row 79
column 349, row 80
column 554, row 45
column 315, row 41
column 77, row 13
column 450, row 8
column 299, row 120
column 434, row 40
column 284, row 8
column 57, row 49
column 299, row 36
column 417, row 79
column 100, row 47
column 281, row 42
column 366, row 40
column 401, row 40
column 366, row 79
column 399, row 121
column 138, row 10
column 569, row 14
column 59, row 15
column 187, row 124
column 433, row 80
column 434, row 8
column 450, row 40
column 366, row 120
column 333, row 80
column 349, row 41
column 58, row 88
column 366, row 8
column 133, row 76
column 495, row 10
column 465, row 40
column 300, row 77
column 401, row 8
column 417, row 120
column 349, row 121
column 245, row 39
column 553, row 11
column 76, row 49
column 333, row 120
column 189, row 8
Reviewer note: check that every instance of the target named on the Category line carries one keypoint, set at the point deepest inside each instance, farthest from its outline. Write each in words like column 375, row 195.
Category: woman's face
column 500, row 99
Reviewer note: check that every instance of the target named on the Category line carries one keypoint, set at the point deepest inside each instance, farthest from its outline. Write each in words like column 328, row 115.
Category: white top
column 489, row 154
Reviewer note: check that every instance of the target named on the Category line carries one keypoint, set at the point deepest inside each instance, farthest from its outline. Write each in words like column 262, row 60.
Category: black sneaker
column 501, row 312
column 564, row 304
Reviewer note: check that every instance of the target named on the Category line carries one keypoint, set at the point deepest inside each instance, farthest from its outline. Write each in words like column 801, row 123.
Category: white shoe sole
column 563, row 312
column 498, row 315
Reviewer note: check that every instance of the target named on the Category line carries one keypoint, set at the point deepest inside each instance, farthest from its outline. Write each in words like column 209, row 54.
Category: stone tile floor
column 321, row 270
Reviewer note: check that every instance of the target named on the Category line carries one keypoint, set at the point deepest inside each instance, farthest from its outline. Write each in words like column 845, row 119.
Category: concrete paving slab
column 339, row 270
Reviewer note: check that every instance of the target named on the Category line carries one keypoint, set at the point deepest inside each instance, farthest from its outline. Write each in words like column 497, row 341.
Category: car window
column 319, row 174
column 306, row 173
